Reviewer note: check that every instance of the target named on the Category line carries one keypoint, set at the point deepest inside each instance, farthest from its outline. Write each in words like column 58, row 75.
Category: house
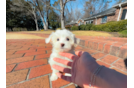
column 76, row 23
column 116, row 13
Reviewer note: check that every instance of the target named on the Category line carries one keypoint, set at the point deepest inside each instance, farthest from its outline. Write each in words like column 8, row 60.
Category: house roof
column 74, row 22
column 103, row 13
column 107, row 12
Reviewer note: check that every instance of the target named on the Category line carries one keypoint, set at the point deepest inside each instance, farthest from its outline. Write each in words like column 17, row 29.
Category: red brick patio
column 27, row 60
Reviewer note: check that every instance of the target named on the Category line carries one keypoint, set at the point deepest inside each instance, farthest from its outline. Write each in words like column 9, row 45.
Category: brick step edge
column 115, row 48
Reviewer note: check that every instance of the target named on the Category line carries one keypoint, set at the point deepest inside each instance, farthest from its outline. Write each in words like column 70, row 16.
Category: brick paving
column 27, row 60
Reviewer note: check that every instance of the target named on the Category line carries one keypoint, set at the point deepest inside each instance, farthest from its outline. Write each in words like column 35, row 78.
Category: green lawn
column 123, row 33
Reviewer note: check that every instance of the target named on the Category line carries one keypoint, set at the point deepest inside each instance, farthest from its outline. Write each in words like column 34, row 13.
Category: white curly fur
column 68, row 47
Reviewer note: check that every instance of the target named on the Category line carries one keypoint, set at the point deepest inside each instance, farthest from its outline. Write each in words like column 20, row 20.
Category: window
column 104, row 19
column 124, row 14
column 89, row 22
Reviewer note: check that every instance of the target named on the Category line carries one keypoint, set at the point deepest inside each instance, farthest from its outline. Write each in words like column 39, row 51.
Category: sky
column 79, row 4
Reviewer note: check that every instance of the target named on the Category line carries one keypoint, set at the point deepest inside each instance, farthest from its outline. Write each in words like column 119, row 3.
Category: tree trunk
column 36, row 23
column 35, row 20
column 47, row 21
column 62, row 21
column 62, row 15
column 44, row 24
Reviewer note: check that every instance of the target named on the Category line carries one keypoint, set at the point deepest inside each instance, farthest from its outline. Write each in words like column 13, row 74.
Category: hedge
column 82, row 27
column 114, row 26
column 19, row 29
column 75, row 28
column 68, row 27
column 88, row 27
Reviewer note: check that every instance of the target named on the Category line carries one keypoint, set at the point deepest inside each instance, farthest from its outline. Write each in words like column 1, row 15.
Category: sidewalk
column 27, row 60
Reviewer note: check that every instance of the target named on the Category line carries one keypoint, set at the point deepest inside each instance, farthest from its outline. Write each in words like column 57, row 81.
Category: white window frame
column 89, row 22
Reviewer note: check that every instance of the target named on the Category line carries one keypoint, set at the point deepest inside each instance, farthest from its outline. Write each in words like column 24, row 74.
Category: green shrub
column 75, row 28
column 113, row 26
column 88, row 27
column 123, row 33
column 82, row 27
column 68, row 27
column 19, row 29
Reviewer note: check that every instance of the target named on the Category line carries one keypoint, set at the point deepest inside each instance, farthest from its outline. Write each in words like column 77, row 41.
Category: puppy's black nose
column 62, row 44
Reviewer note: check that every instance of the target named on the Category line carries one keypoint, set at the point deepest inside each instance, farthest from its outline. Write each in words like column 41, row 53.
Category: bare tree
column 62, row 8
column 77, row 14
column 69, row 15
column 119, row 1
column 26, row 7
column 89, row 8
column 95, row 6
column 42, row 10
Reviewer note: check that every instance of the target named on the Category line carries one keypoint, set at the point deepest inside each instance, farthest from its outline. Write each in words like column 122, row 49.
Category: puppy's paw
column 53, row 77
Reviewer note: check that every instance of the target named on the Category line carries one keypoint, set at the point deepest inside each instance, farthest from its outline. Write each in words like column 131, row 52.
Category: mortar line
column 50, row 83
column 23, row 55
column 27, row 80
column 28, row 48
column 103, row 62
column 14, row 67
column 119, row 69
column 14, row 52
column 120, row 49
column 32, row 67
column 28, row 74
column 102, row 57
column 46, row 51
column 115, row 61
column 103, row 51
column 34, row 57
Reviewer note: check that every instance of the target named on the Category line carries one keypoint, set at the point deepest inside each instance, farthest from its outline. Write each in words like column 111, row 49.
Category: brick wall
column 109, row 18
column 113, row 17
column 76, row 24
column 99, row 20
column 94, row 21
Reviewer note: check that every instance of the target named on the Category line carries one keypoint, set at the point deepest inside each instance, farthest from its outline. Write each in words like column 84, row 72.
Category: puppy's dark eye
column 67, row 39
column 57, row 39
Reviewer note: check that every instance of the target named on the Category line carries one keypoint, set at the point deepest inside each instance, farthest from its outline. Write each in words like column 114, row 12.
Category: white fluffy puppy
column 62, row 41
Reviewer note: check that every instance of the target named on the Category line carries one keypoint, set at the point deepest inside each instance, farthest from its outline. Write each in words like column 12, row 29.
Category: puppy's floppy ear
column 76, row 41
column 49, row 39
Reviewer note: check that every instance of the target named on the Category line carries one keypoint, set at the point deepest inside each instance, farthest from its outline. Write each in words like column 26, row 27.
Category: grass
column 21, row 36
column 78, row 33
column 87, row 33
column 92, row 33
column 123, row 33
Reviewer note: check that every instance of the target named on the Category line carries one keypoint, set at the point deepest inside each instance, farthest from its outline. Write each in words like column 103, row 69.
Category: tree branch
column 50, row 6
column 67, row 2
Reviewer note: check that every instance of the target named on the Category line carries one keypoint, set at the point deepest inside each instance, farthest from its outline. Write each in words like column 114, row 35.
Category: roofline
column 70, row 23
column 100, row 16
column 78, row 20
column 118, row 5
